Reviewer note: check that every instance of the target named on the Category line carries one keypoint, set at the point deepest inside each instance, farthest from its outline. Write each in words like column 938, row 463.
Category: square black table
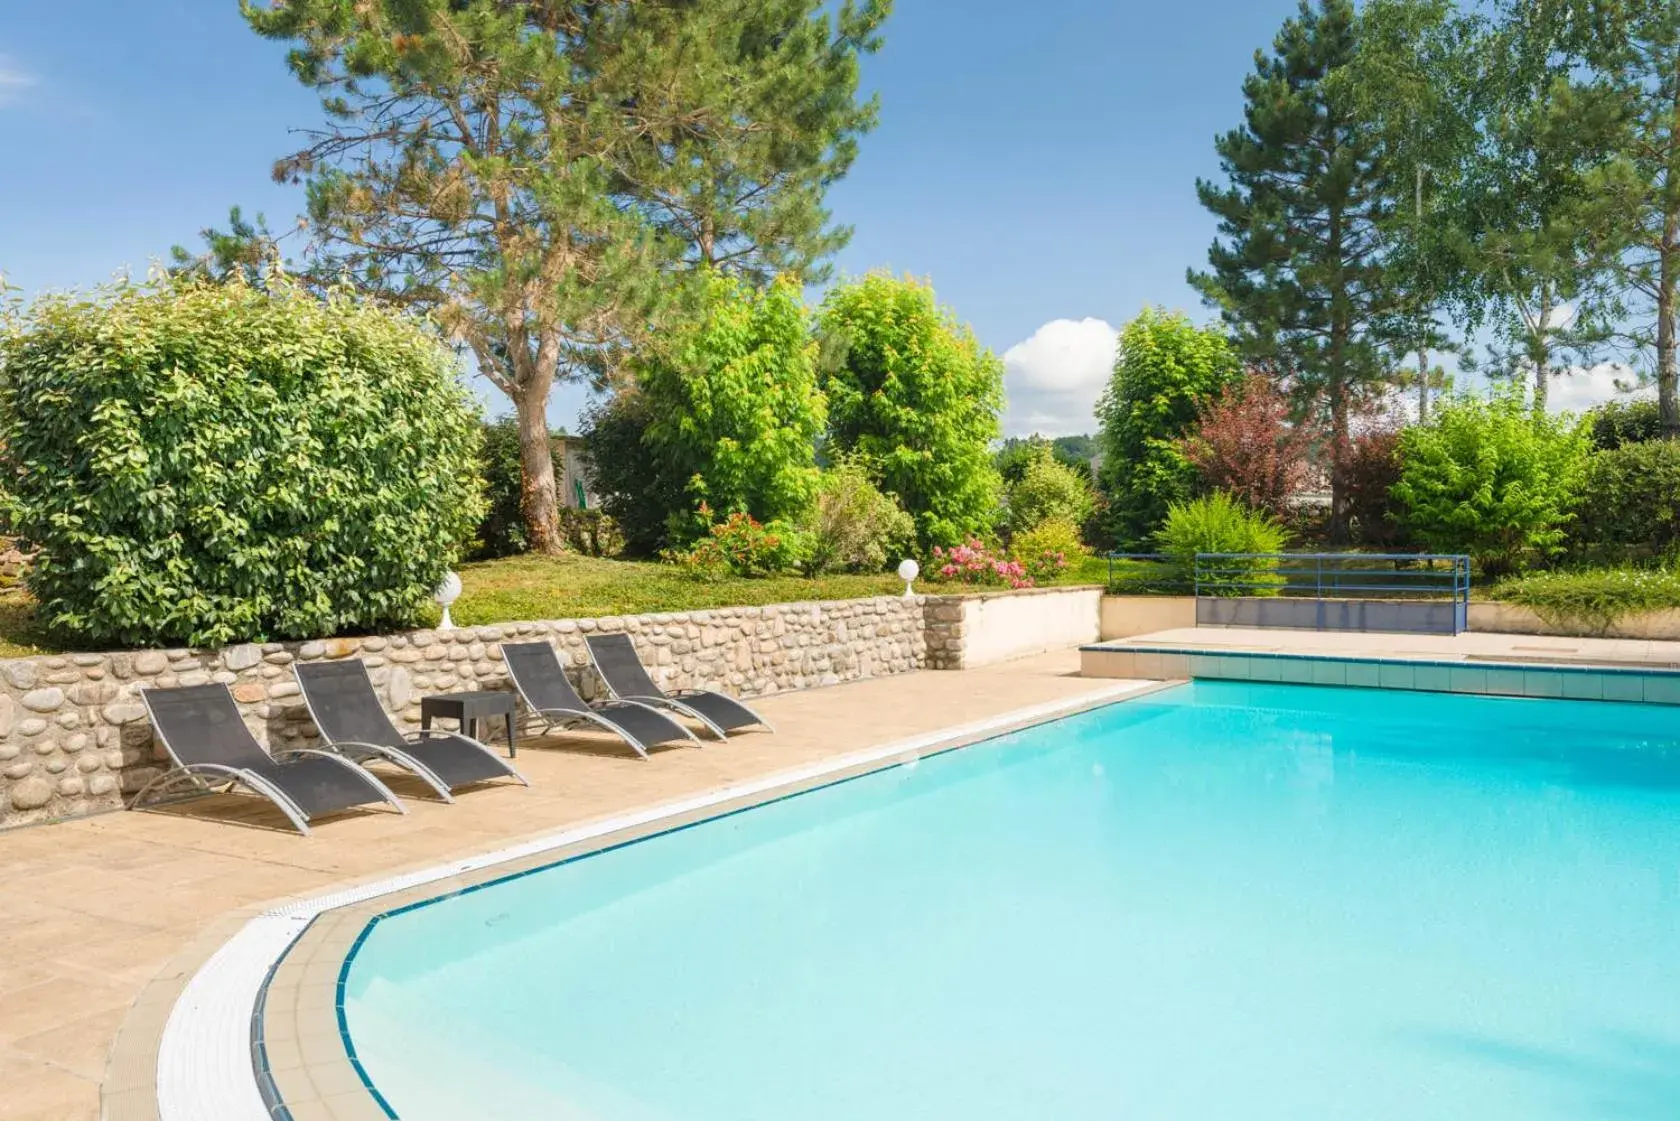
column 467, row 709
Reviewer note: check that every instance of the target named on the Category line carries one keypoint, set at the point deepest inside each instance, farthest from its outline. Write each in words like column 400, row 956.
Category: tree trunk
column 1338, row 457
column 1667, row 405
column 1423, row 381
column 538, row 493
column 1668, row 408
column 1422, row 345
column 1540, row 351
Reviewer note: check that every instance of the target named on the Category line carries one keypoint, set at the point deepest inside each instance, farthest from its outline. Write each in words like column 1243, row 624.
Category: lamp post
column 908, row 570
column 447, row 593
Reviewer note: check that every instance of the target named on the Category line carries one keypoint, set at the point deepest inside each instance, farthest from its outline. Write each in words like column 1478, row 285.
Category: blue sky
column 1039, row 170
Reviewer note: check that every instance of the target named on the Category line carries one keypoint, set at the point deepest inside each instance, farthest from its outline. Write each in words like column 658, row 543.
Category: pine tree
column 1411, row 79
column 1634, row 49
column 542, row 175
column 1298, row 271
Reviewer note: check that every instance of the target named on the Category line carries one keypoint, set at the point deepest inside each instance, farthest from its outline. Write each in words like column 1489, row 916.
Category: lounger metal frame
column 358, row 750
column 198, row 775
column 565, row 717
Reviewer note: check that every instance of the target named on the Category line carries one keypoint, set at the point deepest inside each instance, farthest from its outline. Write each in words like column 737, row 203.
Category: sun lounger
column 542, row 682
column 354, row 724
column 627, row 679
column 206, row 738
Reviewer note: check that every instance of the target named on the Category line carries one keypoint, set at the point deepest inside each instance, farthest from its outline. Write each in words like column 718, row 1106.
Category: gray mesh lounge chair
column 201, row 729
column 627, row 679
column 542, row 681
column 354, row 724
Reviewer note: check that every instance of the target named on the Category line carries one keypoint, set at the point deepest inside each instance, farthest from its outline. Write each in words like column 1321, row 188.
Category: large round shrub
column 1165, row 371
column 1491, row 478
column 206, row 464
column 1620, row 422
column 1629, row 504
column 1047, row 491
column 912, row 391
column 853, row 526
column 734, row 411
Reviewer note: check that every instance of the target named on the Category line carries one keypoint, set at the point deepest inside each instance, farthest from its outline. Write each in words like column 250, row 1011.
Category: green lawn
column 20, row 636
column 533, row 587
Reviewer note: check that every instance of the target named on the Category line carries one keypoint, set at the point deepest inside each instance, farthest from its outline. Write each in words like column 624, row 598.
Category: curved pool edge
column 286, row 960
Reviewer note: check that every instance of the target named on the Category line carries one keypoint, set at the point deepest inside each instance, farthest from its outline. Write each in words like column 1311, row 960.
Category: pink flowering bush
column 1048, row 549
column 973, row 563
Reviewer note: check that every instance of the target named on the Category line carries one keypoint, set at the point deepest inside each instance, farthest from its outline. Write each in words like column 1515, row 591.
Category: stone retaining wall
column 74, row 737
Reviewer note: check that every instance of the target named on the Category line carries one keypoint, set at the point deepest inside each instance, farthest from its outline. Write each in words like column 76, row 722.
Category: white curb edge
column 204, row 1070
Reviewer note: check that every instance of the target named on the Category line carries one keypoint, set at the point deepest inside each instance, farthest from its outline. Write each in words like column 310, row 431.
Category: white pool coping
column 204, row 1070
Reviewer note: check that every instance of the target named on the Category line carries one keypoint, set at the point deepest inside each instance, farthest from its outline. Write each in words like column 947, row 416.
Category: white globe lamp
column 908, row 570
column 447, row 593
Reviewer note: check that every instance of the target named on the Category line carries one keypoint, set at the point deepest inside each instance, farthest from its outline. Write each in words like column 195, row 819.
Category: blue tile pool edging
column 1643, row 684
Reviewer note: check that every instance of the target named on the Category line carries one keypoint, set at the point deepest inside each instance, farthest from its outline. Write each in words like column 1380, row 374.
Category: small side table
column 467, row 709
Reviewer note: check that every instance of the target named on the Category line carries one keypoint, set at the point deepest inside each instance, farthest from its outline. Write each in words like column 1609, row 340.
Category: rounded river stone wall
column 75, row 739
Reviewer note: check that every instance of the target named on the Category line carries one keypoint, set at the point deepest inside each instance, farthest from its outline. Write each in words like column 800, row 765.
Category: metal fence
column 1420, row 593
column 1149, row 574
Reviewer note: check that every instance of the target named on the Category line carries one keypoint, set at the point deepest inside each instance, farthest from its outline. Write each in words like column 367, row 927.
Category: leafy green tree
column 1299, row 269
column 1166, row 370
column 1047, row 489
column 202, row 464
column 912, row 391
column 1412, row 79
column 1018, row 452
column 1537, row 247
column 735, row 411
column 1633, row 47
column 1491, row 478
column 535, row 172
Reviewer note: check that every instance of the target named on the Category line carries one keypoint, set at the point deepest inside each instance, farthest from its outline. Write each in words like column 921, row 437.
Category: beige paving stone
column 78, row 1045
column 37, row 1091
column 95, row 908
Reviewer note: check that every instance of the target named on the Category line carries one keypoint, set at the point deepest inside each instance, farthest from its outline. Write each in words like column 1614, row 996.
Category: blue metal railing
column 1149, row 574
column 1413, row 592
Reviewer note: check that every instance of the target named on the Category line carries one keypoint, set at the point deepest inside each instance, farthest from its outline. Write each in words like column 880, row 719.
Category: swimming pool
column 1224, row 900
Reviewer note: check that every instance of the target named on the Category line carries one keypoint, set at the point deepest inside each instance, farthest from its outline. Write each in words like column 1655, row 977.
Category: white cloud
column 12, row 81
column 1584, row 387
column 1051, row 381
column 1561, row 317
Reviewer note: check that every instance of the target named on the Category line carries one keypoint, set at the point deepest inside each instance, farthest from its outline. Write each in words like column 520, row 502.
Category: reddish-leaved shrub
column 1246, row 445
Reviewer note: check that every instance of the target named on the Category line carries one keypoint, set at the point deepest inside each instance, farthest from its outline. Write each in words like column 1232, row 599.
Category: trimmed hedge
column 1595, row 598
column 203, row 464
column 1629, row 505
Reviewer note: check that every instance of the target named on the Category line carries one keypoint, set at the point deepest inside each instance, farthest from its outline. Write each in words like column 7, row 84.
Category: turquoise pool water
column 1224, row 901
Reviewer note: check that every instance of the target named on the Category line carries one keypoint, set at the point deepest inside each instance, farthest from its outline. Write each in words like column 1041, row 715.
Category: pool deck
column 1471, row 646
column 92, row 911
